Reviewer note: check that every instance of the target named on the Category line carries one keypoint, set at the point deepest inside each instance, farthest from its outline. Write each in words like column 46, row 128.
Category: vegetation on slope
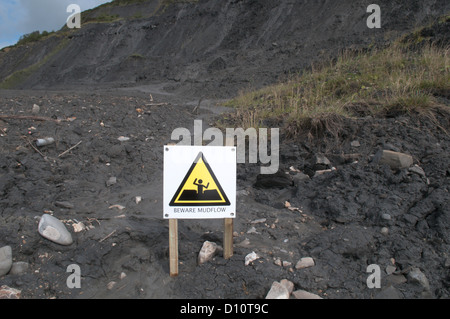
column 380, row 82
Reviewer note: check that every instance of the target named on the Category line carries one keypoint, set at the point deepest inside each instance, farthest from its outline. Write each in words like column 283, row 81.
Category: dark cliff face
column 212, row 45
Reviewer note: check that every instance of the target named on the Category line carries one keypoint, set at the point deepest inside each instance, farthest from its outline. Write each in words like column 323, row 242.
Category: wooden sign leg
column 173, row 247
column 228, row 239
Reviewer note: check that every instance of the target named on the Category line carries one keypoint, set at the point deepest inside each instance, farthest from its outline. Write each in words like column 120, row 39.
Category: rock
column 111, row 285
column 79, row 227
column 258, row 221
column 5, row 260
column 324, row 171
column 111, row 181
column 302, row 294
column 305, row 262
column 355, row 144
column 66, row 205
column 138, row 199
column 251, row 257
column 36, row 108
column 208, row 251
column 53, row 229
column 385, row 230
column 417, row 170
column 390, row 269
column 244, row 243
column 289, row 285
column 394, row 160
column 417, row 276
column 123, row 138
column 19, row 268
column 9, row 293
column 278, row 262
column 386, row 216
column 322, row 160
column 447, row 263
column 278, row 291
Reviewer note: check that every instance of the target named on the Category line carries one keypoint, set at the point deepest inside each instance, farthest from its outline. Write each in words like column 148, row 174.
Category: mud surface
column 336, row 217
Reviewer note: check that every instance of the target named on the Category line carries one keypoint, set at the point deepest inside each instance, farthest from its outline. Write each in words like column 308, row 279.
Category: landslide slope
column 208, row 47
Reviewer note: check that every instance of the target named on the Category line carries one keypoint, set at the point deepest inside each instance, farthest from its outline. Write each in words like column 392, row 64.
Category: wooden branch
column 31, row 144
column 64, row 153
column 29, row 117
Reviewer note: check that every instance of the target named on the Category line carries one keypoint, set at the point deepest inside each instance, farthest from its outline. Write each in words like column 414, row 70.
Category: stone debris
column 53, row 229
column 278, row 291
column 417, row 276
column 123, row 138
column 302, row 294
column 5, row 260
column 305, row 262
column 208, row 251
column 251, row 257
column 417, row 170
column 111, row 181
column 395, row 160
column 36, row 108
column 19, row 268
column 9, row 293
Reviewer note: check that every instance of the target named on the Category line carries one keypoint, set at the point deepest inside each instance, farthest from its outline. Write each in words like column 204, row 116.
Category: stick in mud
column 64, row 153
column 29, row 117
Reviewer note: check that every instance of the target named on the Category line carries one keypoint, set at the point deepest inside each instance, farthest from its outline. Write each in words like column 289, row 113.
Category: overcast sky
column 18, row 17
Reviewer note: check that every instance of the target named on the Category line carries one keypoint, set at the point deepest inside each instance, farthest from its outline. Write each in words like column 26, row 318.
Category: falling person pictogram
column 208, row 191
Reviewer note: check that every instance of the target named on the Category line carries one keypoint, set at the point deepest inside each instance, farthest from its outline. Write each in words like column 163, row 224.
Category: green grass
column 18, row 77
column 389, row 81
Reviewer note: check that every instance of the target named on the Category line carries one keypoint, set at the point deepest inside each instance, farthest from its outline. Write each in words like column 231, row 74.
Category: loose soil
column 335, row 218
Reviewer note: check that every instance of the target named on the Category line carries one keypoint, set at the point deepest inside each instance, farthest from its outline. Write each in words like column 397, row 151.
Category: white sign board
column 199, row 182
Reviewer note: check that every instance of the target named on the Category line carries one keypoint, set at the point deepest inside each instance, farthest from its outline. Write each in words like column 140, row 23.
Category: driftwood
column 29, row 117
column 64, row 153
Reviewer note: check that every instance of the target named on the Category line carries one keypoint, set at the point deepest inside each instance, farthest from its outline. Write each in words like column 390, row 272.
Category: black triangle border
column 200, row 155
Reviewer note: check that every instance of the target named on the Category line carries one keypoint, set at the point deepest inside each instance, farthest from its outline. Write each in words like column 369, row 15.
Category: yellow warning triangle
column 200, row 187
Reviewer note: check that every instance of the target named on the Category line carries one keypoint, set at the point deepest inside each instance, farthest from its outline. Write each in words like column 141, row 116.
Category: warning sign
column 199, row 182
column 200, row 187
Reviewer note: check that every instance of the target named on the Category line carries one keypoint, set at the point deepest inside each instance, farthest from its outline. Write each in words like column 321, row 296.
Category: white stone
column 208, row 251
column 302, row 294
column 251, row 257
column 36, row 108
column 289, row 285
column 53, row 229
column 278, row 291
column 305, row 262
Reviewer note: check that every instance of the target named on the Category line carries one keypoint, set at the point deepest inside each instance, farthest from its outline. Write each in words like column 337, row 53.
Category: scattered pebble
column 305, row 262
column 9, row 293
column 53, row 229
column 251, row 257
column 207, row 252
column 5, row 260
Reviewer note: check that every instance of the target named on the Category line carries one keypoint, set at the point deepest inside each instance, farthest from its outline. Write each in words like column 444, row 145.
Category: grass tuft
column 381, row 82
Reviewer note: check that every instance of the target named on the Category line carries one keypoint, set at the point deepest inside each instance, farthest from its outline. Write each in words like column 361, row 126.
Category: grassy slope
column 393, row 80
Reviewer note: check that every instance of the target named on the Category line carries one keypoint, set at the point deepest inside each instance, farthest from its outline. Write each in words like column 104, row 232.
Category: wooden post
column 173, row 247
column 228, row 239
